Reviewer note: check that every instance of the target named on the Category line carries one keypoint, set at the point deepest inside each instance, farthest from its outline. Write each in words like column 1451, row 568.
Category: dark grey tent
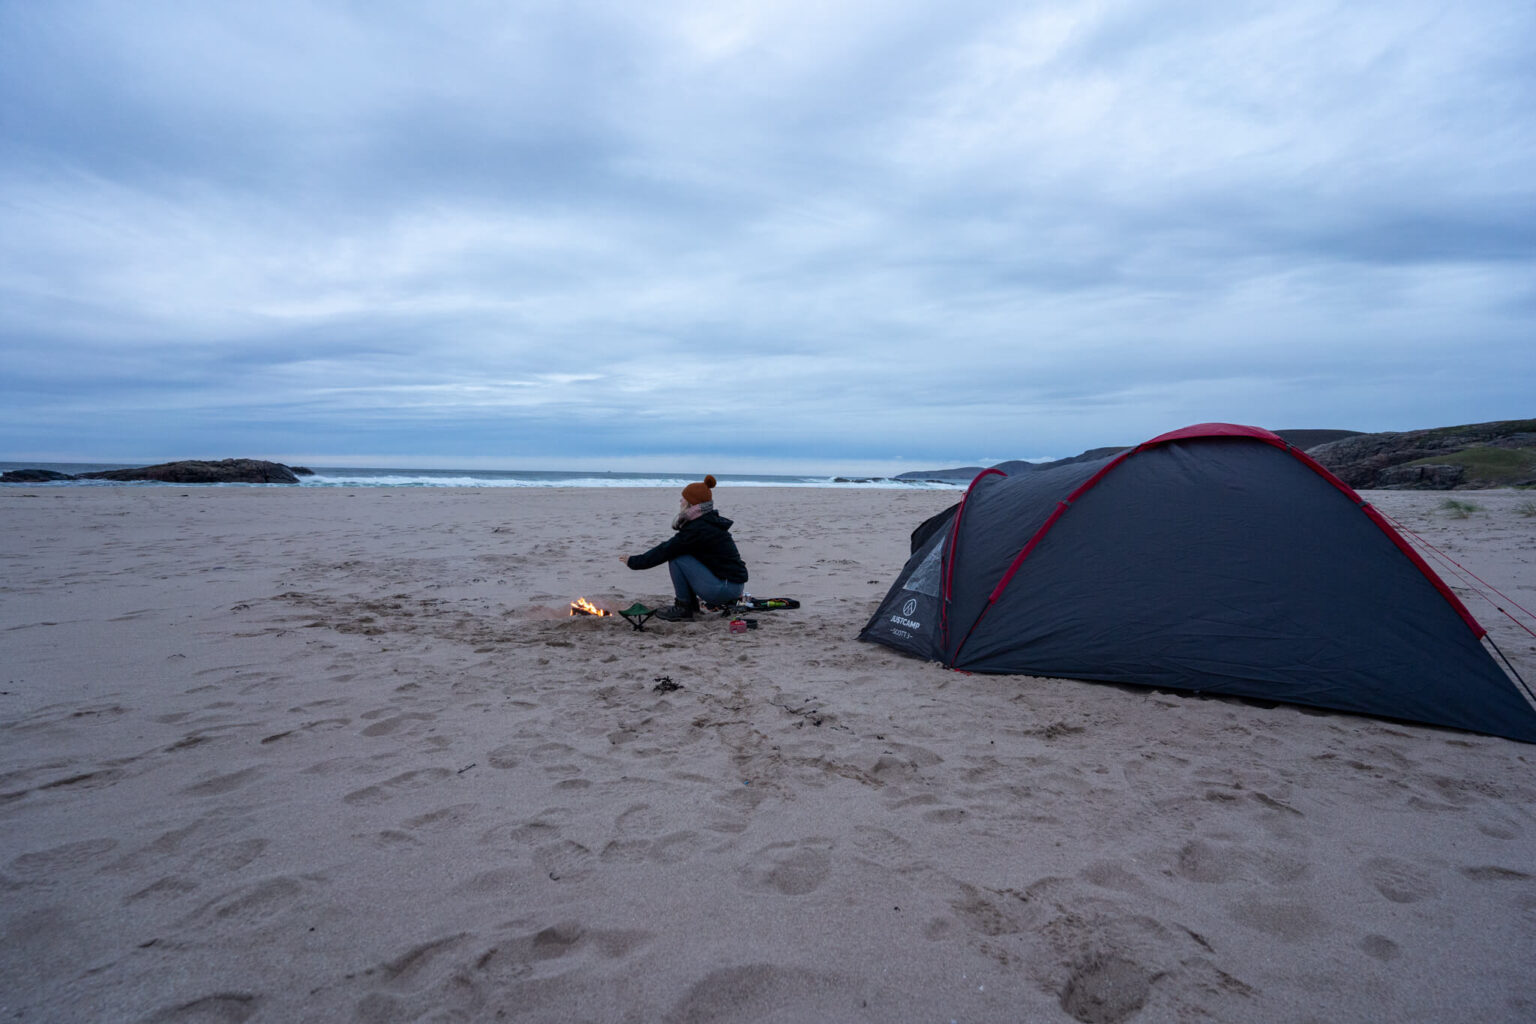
column 1217, row 559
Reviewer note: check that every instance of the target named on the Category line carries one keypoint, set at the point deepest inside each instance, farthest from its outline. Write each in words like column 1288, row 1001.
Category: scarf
column 691, row 512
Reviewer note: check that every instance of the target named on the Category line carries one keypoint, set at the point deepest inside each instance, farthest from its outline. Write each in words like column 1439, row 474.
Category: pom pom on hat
column 698, row 493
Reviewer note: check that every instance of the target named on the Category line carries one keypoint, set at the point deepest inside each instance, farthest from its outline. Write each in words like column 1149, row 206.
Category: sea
column 341, row 476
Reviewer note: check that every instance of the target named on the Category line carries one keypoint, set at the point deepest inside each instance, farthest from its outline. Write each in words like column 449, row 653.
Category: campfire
column 581, row 606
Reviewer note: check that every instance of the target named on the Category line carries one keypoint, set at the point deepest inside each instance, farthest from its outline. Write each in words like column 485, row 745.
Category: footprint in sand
column 528, row 833
column 392, row 838
column 1106, row 989
column 565, row 861
column 157, row 851
column 394, row 723
column 626, row 851
column 881, row 846
column 48, row 864
column 641, row 819
column 228, row 857
column 459, row 977
column 497, row 882
column 1380, row 947
column 1108, row 874
column 789, row 869
column 1498, row 826
column 403, row 782
column 221, row 784
column 642, row 835
column 255, row 904
column 322, row 725
column 674, row 848
column 1214, row 862
column 169, row 887
column 415, row 962
column 1493, row 873
column 219, row 1008
column 509, row 756
column 768, row 992
column 990, row 913
column 450, row 817
column 552, row 758
column 1211, row 863
column 1399, row 881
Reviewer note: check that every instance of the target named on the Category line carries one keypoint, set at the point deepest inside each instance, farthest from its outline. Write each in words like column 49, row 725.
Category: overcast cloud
column 857, row 236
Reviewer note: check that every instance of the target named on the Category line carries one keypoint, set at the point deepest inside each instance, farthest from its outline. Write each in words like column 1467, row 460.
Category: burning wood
column 581, row 606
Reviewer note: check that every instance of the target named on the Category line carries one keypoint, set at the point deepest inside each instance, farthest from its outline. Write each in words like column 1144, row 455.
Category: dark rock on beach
column 33, row 476
column 227, row 471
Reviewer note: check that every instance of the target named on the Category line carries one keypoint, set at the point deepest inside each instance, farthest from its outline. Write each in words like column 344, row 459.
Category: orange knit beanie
column 697, row 494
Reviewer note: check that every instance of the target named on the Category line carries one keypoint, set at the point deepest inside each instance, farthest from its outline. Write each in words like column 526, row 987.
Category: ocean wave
column 334, row 477
column 322, row 479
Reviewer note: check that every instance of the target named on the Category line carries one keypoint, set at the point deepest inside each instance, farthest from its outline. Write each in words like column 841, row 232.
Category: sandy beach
column 342, row 755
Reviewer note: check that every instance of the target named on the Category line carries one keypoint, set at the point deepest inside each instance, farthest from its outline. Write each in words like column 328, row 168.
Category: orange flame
column 581, row 606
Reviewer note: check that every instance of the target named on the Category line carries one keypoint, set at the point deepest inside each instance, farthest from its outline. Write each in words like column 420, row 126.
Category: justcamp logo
column 905, row 618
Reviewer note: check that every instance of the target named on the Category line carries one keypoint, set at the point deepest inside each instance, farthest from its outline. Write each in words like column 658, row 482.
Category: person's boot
column 681, row 611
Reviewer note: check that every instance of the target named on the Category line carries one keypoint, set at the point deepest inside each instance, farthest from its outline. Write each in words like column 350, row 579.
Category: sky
column 774, row 235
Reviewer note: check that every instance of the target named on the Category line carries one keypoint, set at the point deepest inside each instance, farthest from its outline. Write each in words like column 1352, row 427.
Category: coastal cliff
column 1501, row 453
column 1476, row 455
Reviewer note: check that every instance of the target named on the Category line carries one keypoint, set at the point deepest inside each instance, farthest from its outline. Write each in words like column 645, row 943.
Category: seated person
column 701, row 556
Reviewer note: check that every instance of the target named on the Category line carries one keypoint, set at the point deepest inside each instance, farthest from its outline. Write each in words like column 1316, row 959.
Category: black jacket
column 707, row 538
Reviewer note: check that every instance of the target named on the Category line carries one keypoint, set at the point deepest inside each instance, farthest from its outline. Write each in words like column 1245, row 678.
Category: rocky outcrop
column 963, row 475
column 1433, row 477
column 1497, row 454
column 226, row 471
column 32, row 476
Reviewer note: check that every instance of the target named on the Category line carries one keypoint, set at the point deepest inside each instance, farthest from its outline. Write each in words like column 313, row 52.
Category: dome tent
column 1216, row 559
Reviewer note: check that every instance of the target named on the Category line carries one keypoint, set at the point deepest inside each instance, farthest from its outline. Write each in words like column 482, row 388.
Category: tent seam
column 947, row 575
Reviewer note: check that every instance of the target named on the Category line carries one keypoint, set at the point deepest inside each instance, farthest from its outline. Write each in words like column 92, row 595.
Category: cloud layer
column 873, row 236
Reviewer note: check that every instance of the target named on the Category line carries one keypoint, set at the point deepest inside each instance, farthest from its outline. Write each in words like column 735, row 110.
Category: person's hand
column 624, row 559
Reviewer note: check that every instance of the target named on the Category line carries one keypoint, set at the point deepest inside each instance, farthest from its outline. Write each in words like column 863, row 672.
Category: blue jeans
column 690, row 579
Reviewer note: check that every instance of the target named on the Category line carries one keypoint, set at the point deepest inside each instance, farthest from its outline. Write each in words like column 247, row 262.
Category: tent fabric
column 1214, row 559
column 933, row 524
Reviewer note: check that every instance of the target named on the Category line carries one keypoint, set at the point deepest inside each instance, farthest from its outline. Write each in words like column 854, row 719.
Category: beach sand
column 337, row 755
